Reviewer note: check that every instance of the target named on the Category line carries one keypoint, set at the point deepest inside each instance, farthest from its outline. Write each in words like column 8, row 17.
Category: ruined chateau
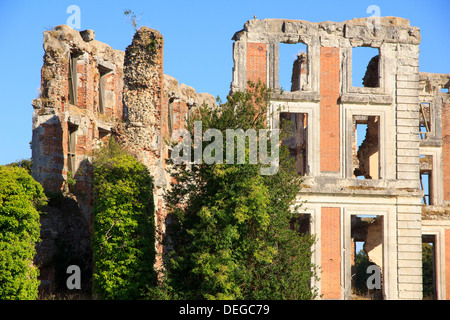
column 389, row 193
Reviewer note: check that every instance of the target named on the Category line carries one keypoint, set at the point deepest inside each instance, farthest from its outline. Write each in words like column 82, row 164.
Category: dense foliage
column 20, row 198
column 124, row 230
column 360, row 278
column 23, row 163
column 428, row 271
column 233, row 233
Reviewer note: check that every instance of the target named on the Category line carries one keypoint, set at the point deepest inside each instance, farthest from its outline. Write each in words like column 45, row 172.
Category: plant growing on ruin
column 124, row 230
column 132, row 18
column 71, row 181
column 20, row 199
column 232, row 234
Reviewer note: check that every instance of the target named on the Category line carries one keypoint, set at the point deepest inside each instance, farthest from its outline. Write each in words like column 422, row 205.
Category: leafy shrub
column 232, row 232
column 20, row 198
column 427, row 271
column 24, row 163
column 124, row 230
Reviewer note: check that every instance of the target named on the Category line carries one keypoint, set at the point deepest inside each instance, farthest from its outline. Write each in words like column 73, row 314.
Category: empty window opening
column 101, row 90
column 425, row 181
column 294, row 127
column 302, row 223
column 102, row 133
column 429, row 267
column 365, row 147
column 170, row 119
column 426, row 169
column 444, row 90
column 73, row 78
column 367, row 250
column 424, row 121
column 72, row 143
column 293, row 68
column 365, row 67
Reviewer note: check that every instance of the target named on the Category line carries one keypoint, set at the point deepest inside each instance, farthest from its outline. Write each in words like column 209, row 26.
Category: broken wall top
column 389, row 29
column 432, row 83
column 63, row 39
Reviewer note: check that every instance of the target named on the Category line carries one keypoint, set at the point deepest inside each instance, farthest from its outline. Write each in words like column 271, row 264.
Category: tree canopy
column 233, row 232
column 124, row 230
column 20, row 199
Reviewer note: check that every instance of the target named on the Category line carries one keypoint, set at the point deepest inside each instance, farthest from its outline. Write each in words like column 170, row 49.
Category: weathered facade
column 370, row 193
column 373, row 193
column 89, row 92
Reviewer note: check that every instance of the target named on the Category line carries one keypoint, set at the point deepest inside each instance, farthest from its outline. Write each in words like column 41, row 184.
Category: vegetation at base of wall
column 427, row 271
column 233, row 234
column 360, row 278
column 20, row 199
column 124, row 230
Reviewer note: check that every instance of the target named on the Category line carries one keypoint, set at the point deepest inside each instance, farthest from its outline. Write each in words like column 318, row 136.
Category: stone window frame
column 386, row 170
column 313, row 66
column 72, row 129
column 350, row 94
column 389, row 275
column 432, row 121
column 437, row 175
column 437, row 229
column 72, row 76
column 104, row 68
column 435, row 114
column 239, row 76
column 314, row 210
column 313, row 141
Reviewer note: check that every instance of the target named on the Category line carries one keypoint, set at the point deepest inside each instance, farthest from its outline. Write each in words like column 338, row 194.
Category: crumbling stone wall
column 372, row 77
column 55, row 117
column 298, row 78
column 118, row 93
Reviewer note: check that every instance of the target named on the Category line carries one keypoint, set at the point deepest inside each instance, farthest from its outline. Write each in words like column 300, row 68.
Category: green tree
column 362, row 262
column 428, row 270
column 20, row 199
column 233, row 233
column 23, row 163
column 124, row 230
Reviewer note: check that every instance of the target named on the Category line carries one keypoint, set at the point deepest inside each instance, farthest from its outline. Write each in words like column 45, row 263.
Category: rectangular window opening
column 365, row 67
column 444, row 90
column 73, row 77
column 425, row 186
column 294, row 127
column 293, row 67
column 170, row 118
column 101, row 90
column 367, row 250
column 426, row 169
column 424, row 121
column 302, row 223
column 365, row 147
column 72, row 142
column 429, row 267
column 102, row 133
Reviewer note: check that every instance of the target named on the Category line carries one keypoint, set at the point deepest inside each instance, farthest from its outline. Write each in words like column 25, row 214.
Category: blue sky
column 197, row 36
